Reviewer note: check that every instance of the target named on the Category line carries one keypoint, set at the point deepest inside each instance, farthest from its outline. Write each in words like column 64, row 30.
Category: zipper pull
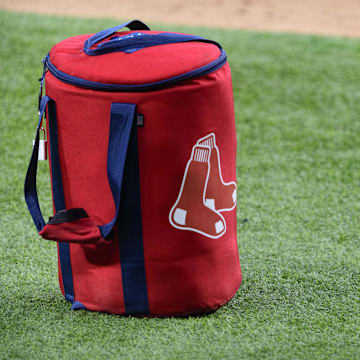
column 44, row 61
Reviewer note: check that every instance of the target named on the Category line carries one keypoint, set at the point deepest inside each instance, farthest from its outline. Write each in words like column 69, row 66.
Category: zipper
column 41, row 80
column 83, row 83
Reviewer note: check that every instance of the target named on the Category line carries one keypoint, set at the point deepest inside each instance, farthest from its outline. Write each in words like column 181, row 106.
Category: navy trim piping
column 157, row 85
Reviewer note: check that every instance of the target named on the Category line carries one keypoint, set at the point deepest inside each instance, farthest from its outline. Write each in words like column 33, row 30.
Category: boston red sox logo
column 203, row 194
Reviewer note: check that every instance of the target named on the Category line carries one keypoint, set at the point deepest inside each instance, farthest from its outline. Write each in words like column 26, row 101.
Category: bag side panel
column 187, row 271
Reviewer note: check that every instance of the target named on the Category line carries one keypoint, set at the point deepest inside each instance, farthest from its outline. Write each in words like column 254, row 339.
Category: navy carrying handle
column 121, row 123
column 101, row 35
column 135, row 41
column 30, row 191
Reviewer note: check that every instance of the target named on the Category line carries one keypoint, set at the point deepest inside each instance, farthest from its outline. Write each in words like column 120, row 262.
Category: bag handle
column 30, row 191
column 101, row 35
column 135, row 41
column 121, row 123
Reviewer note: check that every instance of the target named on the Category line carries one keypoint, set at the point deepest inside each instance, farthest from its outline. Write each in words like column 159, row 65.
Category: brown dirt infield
column 327, row 17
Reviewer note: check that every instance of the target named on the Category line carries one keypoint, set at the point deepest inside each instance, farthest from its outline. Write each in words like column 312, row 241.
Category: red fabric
column 83, row 231
column 97, row 275
column 146, row 65
column 186, row 272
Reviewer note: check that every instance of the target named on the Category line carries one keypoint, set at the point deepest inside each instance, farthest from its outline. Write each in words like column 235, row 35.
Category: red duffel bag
column 142, row 149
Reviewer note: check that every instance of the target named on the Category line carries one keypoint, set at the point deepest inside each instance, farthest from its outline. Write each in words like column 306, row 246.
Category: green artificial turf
column 297, row 103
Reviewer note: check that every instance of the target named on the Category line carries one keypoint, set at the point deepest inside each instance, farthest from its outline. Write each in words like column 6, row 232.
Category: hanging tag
column 42, row 154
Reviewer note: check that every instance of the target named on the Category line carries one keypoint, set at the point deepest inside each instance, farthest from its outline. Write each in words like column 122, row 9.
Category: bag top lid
column 135, row 57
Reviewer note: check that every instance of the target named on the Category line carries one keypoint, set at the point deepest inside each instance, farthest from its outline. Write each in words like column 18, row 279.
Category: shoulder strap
column 30, row 191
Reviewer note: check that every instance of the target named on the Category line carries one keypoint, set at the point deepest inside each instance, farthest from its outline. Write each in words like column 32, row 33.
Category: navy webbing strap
column 122, row 118
column 123, row 176
column 135, row 41
column 101, row 35
column 30, row 191
column 59, row 202
column 121, row 122
column 130, row 233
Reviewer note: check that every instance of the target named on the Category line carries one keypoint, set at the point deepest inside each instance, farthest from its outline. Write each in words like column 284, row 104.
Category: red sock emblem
column 203, row 193
column 220, row 196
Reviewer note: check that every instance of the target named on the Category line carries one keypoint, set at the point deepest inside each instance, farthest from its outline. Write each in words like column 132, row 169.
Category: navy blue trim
column 132, row 25
column 77, row 305
column 121, row 122
column 130, row 234
column 157, row 85
column 59, row 201
column 66, row 270
column 30, row 191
